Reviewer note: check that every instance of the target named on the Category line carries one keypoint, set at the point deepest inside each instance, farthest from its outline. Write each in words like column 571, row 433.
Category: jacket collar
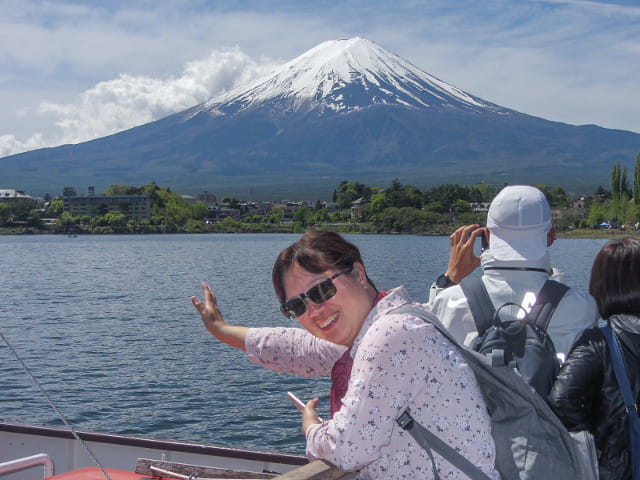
column 393, row 299
column 625, row 322
column 489, row 263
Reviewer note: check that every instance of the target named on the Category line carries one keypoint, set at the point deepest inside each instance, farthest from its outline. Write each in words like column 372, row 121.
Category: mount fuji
column 345, row 76
column 346, row 109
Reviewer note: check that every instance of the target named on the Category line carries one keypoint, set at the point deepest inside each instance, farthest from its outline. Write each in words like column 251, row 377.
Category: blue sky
column 71, row 70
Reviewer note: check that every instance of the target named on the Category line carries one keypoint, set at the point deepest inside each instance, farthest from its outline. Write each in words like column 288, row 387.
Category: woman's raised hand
column 209, row 310
column 214, row 322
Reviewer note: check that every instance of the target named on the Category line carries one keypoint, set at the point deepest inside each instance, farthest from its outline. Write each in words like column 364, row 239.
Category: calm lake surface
column 105, row 323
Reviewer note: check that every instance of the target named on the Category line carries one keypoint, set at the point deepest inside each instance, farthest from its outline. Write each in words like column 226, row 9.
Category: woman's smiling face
column 340, row 318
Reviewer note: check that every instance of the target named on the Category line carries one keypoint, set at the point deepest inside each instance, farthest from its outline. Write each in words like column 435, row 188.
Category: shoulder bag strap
column 479, row 302
column 427, row 440
column 546, row 303
column 627, row 395
column 619, row 368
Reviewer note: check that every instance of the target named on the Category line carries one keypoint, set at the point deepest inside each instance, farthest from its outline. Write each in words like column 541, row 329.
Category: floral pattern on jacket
column 399, row 362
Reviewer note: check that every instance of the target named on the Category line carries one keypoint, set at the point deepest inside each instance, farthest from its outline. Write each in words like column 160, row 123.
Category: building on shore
column 135, row 207
column 10, row 194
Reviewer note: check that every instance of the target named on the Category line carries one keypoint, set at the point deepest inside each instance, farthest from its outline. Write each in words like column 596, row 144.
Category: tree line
column 355, row 207
column 398, row 208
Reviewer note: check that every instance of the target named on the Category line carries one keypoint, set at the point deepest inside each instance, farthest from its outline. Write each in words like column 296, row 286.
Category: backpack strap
column 429, row 441
column 425, row 438
column 546, row 303
column 483, row 311
column 479, row 302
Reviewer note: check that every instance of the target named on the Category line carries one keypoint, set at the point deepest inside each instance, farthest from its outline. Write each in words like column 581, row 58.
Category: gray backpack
column 523, row 344
column 531, row 442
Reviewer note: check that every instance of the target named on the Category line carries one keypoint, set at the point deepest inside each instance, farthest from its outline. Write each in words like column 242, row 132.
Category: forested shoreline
column 354, row 208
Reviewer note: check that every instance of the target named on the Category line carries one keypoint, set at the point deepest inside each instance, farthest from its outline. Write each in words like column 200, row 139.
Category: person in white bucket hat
column 515, row 266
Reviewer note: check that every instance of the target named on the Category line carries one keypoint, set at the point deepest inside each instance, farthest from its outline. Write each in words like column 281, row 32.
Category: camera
column 484, row 244
column 481, row 243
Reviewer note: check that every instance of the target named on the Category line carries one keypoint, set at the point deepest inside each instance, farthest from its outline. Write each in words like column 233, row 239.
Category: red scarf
column 341, row 372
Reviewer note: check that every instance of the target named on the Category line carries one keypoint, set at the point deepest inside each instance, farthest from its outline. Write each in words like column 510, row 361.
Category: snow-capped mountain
column 346, row 109
column 346, row 75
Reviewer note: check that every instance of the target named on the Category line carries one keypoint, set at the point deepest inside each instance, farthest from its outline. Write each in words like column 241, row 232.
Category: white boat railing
column 18, row 464
column 121, row 452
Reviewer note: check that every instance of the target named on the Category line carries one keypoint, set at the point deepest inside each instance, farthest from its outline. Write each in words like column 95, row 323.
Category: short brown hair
column 315, row 252
column 615, row 278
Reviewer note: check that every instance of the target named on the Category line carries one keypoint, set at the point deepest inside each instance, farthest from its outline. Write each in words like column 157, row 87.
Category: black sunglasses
column 294, row 307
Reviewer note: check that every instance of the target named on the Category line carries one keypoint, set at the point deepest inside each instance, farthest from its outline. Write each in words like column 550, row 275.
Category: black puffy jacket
column 585, row 395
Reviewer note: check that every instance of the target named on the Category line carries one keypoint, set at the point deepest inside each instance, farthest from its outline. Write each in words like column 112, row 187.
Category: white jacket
column 576, row 311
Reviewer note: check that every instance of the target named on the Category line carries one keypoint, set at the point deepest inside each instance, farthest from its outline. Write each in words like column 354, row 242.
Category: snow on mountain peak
column 345, row 75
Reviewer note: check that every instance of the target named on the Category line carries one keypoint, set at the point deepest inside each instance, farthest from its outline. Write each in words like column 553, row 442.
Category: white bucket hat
column 518, row 220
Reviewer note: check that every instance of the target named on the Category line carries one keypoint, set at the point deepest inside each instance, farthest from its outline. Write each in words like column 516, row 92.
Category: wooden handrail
column 317, row 470
column 145, row 466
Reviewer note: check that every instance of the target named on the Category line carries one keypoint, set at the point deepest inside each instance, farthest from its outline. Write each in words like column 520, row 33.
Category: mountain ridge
column 346, row 109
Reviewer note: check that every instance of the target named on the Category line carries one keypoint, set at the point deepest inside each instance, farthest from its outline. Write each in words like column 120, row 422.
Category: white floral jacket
column 399, row 362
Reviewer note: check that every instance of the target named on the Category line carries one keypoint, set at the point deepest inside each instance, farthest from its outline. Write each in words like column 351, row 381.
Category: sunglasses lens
column 293, row 308
column 322, row 292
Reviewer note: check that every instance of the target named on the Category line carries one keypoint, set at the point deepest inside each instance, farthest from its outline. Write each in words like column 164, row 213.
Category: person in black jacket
column 585, row 395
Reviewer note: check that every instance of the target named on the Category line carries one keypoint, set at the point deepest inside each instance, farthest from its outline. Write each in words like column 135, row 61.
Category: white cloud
column 127, row 101
column 566, row 60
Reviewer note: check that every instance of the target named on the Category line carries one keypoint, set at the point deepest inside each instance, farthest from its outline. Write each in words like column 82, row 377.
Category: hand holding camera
column 463, row 259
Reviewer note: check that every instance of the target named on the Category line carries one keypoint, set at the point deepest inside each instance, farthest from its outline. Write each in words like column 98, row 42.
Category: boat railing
column 19, row 464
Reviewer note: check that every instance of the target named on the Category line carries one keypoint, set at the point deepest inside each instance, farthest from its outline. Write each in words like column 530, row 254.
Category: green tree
column 303, row 216
column 436, row 207
column 461, row 206
column 121, row 189
column 407, row 196
column 597, row 214
column 255, row 219
column 321, row 215
column 616, row 175
column 349, row 192
column 404, row 219
column 487, row 192
column 116, row 220
column 66, row 220
column 230, row 224
column 199, row 211
column 447, row 195
column 56, row 207
column 378, row 202
column 177, row 213
column 624, row 183
column 5, row 214
column 277, row 214
column 636, row 181
column 556, row 196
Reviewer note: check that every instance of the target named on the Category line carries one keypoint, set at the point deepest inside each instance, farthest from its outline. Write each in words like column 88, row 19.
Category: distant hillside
column 345, row 109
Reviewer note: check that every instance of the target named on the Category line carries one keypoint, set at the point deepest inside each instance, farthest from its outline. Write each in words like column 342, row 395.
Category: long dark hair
column 615, row 278
column 315, row 252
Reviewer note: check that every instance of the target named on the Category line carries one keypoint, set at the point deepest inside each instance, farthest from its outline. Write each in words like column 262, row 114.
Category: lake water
column 105, row 323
